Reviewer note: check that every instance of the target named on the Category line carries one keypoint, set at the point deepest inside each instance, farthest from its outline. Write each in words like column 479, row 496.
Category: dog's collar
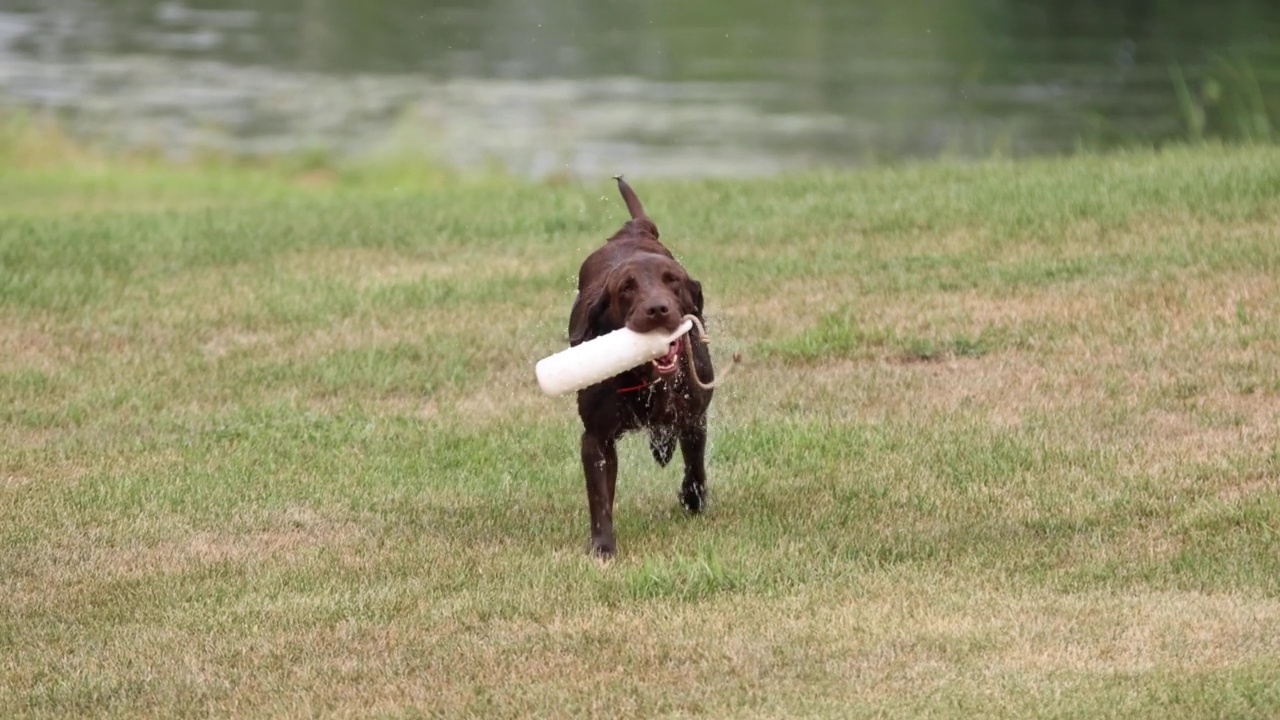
column 643, row 385
column 634, row 388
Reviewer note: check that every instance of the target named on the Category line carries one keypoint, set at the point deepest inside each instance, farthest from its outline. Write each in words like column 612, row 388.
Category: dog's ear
column 694, row 289
column 584, row 319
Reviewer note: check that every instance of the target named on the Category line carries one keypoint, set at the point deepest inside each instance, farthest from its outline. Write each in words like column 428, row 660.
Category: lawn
column 1005, row 443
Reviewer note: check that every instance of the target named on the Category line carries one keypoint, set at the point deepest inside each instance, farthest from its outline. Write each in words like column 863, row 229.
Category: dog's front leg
column 600, row 465
column 693, row 449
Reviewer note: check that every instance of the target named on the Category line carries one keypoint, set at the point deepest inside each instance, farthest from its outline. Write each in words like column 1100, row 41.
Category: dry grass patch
column 28, row 345
column 896, row 641
column 1241, row 489
column 86, row 559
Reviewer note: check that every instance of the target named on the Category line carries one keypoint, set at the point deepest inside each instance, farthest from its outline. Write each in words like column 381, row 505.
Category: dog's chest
column 658, row 405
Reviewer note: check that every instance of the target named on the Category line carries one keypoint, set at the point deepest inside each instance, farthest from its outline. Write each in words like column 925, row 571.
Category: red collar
column 641, row 386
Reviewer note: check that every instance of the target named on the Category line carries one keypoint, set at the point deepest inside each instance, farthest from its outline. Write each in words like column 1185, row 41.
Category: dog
column 634, row 281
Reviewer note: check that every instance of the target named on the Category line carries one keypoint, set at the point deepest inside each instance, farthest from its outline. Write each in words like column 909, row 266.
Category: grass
column 1005, row 444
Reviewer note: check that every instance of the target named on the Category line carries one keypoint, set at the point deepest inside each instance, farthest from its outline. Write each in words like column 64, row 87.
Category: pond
column 652, row 87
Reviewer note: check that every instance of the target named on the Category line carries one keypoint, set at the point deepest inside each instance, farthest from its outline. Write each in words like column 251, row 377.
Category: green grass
column 1004, row 444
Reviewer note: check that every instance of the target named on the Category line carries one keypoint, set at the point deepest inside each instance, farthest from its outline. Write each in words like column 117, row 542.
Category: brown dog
column 633, row 281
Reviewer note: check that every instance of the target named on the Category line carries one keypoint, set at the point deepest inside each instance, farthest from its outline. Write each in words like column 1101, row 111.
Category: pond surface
column 653, row 87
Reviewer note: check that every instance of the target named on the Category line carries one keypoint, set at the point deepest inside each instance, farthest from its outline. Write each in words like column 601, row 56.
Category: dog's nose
column 658, row 310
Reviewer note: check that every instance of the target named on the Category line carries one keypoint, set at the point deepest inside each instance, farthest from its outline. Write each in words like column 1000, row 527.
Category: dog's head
column 643, row 293
column 644, row 289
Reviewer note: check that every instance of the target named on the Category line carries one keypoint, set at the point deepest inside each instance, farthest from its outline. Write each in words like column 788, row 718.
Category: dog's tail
column 629, row 196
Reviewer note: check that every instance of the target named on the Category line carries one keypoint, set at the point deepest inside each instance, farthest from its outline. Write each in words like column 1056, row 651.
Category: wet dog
column 634, row 281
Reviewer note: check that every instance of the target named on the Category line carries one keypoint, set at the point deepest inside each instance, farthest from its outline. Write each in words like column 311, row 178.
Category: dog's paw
column 693, row 498
column 603, row 548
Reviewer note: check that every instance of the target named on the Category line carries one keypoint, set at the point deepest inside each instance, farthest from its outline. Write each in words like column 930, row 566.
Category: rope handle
column 693, row 365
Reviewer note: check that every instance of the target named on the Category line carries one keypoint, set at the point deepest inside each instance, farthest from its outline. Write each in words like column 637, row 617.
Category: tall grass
column 1226, row 101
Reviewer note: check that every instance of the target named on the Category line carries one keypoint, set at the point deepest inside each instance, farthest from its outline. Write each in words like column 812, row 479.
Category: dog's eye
column 669, row 278
column 629, row 285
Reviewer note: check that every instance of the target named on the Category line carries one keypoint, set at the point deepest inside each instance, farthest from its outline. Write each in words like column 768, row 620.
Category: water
column 649, row 87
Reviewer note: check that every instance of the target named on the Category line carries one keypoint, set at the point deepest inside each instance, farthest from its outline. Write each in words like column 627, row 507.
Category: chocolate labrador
column 634, row 281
